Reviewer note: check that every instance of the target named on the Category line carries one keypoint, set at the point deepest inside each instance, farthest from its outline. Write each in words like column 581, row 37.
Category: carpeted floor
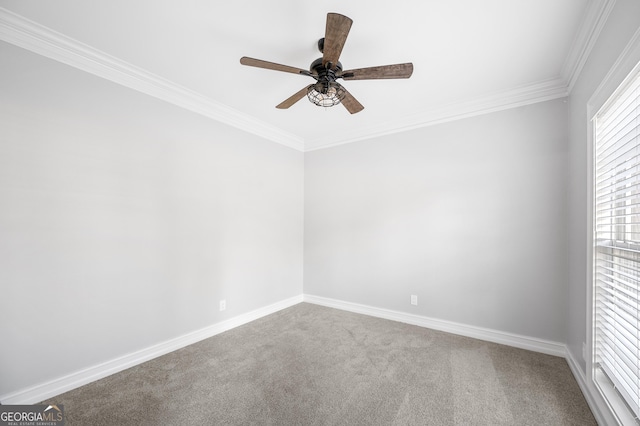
column 311, row 365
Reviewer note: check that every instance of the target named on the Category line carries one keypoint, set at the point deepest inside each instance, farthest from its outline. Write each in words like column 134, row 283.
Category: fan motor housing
column 317, row 67
column 326, row 75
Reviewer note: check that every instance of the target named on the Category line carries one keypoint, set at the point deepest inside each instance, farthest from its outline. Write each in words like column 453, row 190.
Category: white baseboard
column 599, row 407
column 518, row 341
column 74, row 380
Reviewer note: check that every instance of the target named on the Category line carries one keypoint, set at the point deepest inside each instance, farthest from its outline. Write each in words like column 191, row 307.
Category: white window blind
column 617, row 242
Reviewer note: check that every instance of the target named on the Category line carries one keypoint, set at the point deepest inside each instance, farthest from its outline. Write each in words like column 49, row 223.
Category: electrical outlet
column 223, row 305
column 414, row 299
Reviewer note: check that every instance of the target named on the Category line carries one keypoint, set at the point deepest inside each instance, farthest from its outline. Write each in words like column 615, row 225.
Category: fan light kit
column 326, row 96
column 326, row 92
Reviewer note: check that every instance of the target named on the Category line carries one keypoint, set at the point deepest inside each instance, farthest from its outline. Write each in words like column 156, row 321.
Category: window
column 616, row 251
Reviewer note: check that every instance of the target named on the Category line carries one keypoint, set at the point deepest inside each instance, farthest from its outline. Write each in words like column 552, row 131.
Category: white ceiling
column 469, row 56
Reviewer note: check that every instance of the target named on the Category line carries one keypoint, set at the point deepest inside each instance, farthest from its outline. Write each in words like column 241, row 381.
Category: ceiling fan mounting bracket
column 319, row 69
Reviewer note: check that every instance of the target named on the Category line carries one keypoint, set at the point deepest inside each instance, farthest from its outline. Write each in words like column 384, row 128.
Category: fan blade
column 293, row 99
column 350, row 103
column 335, row 35
column 271, row 66
column 384, row 71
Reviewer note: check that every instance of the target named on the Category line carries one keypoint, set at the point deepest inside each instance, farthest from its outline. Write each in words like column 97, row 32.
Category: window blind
column 617, row 242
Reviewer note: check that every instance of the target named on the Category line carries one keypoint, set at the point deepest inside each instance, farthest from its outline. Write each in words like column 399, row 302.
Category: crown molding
column 24, row 33
column 19, row 31
column 624, row 67
column 593, row 22
column 520, row 96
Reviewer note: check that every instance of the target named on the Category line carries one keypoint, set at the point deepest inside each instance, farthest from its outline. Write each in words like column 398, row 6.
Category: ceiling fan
column 326, row 91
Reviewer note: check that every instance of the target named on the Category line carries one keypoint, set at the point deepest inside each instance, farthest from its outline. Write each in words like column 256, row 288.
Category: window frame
column 623, row 71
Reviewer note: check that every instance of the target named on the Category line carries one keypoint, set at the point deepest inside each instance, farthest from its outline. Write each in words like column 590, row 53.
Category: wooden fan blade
column 350, row 103
column 294, row 98
column 271, row 66
column 384, row 71
column 335, row 35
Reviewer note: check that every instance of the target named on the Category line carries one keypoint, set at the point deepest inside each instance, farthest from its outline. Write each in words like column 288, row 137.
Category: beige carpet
column 311, row 365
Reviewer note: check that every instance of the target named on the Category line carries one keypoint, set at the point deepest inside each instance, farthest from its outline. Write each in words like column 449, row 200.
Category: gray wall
column 124, row 220
column 470, row 216
column 621, row 25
